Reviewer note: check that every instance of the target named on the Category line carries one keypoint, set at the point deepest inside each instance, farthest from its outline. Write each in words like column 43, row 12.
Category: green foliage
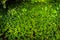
column 31, row 21
column 3, row 3
column 45, row 1
column 33, row 1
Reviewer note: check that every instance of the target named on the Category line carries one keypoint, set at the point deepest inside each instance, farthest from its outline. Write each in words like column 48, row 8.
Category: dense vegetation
column 30, row 20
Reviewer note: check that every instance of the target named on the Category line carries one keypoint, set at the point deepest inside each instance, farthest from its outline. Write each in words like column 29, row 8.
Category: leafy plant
column 29, row 22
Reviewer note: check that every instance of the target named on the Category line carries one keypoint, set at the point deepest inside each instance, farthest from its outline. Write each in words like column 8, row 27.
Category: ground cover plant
column 35, row 20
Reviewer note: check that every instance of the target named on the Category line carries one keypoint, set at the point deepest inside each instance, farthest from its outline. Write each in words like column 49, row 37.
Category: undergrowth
column 30, row 21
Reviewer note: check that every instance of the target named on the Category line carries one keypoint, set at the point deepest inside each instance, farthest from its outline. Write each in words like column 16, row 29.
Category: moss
column 31, row 22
